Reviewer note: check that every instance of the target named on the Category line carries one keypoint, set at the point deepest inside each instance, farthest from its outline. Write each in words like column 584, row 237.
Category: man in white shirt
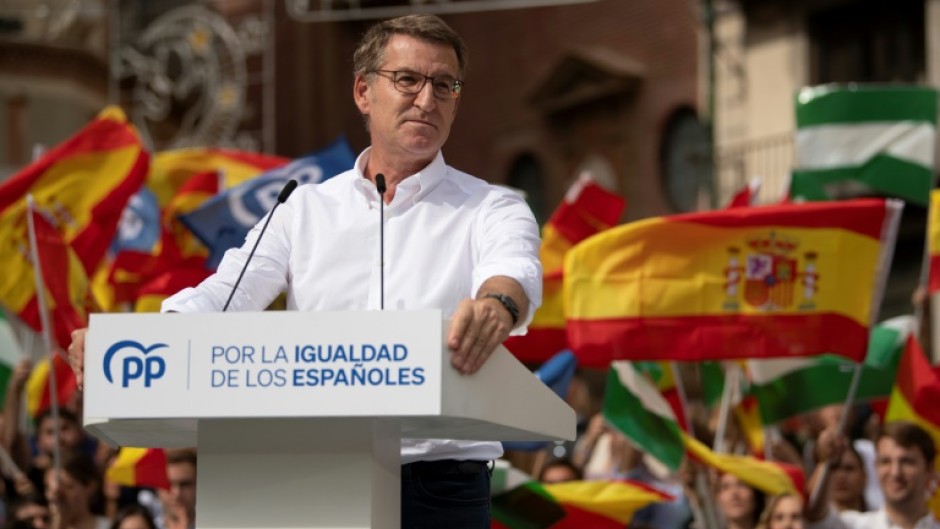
column 453, row 242
column 904, row 464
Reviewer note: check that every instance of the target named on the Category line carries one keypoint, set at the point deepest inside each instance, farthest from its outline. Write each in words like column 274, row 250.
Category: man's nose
column 425, row 99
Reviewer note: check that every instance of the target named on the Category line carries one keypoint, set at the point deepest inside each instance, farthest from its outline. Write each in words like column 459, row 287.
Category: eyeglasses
column 443, row 86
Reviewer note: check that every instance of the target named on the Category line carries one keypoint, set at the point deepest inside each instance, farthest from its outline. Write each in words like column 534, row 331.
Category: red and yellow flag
column 916, row 391
column 38, row 387
column 151, row 295
column 773, row 281
column 771, row 477
column 181, row 180
column 83, row 184
column 914, row 399
column 933, row 242
column 586, row 210
column 601, row 504
column 64, row 280
column 139, row 467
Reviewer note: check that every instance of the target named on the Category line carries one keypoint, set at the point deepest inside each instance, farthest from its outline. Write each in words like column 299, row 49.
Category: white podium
column 298, row 416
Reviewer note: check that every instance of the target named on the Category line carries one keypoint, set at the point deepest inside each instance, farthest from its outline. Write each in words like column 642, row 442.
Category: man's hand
column 77, row 355
column 477, row 328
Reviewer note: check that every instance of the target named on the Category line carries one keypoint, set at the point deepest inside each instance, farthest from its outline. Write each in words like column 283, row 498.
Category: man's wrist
column 508, row 303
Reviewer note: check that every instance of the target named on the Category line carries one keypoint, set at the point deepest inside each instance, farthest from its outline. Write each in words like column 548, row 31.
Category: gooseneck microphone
column 281, row 198
column 380, row 187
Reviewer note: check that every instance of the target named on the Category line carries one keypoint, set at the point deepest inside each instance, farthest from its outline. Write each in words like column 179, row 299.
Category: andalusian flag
column 763, row 282
column 933, row 242
column 916, row 391
column 634, row 406
column 38, row 389
column 84, row 184
column 10, row 353
column 586, row 210
column 859, row 139
column 785, row 388
column 139, row 467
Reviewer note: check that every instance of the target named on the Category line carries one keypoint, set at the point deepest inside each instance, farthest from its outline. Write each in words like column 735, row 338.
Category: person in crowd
column 848, row 482
column 904, row 464
column 455, row 242
column 133, row 517
column 74, row 496
column 29, row 512
column 784, row 511
column 559, row 471
column 178, row 503
column 738, row 504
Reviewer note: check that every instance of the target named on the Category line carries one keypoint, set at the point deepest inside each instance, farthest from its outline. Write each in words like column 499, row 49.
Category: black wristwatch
column 506, row 302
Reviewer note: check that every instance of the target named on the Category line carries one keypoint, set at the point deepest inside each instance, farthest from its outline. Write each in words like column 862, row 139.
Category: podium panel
column 298, row 417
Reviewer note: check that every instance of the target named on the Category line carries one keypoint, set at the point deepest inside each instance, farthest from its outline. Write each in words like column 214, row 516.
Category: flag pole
column 843, row 420
column 45, row 320
column 701, row 486
column 731, row 381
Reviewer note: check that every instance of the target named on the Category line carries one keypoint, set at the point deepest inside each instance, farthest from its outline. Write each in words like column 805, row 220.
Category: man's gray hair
column 370, row 53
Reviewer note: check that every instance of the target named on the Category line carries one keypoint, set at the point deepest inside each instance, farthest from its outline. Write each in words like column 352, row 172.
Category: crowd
column 877, row 475
column 57, row 476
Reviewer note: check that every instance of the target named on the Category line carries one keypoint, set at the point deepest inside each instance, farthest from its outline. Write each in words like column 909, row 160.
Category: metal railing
column 770, row 158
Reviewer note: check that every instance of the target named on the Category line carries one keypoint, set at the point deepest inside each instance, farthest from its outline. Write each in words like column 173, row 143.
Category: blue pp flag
column 556, row 373
column 139, row 229
column 224, row 221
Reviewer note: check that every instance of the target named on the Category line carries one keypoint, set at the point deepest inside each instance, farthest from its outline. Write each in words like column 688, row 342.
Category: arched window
column 525, row 174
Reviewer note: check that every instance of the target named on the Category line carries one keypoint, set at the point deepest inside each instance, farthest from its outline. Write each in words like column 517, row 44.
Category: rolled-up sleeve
column 507, row 244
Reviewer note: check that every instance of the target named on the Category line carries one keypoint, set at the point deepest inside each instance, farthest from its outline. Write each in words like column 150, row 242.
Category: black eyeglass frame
column 393, row 76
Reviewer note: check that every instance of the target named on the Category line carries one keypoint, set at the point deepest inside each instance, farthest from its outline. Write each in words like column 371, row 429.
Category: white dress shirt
column 867, row 520
column 446, row 233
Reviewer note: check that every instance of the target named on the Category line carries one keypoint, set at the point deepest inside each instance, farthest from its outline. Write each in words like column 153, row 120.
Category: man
column 178, row 504
column 453, row 242
column 904, row 464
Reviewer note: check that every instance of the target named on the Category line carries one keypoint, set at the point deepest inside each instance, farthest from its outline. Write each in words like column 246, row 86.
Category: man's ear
column 361, row 94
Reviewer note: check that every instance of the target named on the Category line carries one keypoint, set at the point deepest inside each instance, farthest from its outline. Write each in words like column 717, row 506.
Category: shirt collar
column 413, row 188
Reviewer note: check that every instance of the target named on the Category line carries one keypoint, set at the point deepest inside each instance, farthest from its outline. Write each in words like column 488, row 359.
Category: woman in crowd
column 848, row 481
column 783, row 512
column 739, row 504
column 133, row 517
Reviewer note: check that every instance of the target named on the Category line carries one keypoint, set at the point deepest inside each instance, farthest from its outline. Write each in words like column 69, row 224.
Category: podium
column 298, row 417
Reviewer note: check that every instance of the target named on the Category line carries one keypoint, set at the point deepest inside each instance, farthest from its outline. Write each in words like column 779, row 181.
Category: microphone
column 281, row 198
column 380, row 187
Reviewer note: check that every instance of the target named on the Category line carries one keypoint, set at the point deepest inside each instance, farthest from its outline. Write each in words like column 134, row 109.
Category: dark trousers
column 445, row 494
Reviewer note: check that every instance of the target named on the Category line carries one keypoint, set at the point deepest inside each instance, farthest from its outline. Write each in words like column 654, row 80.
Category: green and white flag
column 786, row 388
column 10, row 354
column 865, row 139
column 633, row 405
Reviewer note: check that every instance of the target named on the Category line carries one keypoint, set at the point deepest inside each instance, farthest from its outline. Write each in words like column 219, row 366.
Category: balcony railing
column 770, row 158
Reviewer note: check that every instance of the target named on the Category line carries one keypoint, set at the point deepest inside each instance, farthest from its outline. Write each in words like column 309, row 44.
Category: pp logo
column 137, row 364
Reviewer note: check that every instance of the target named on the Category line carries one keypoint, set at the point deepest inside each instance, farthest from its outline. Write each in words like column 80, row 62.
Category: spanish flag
column 151, row 295
column 771, row 477
column 573, row 504
column 586, row 210
column 933, row 242
column 761, row 282
column 64, row 280
column 916, row 391
column 139, row 467
column 84, row 184
column 38, row 385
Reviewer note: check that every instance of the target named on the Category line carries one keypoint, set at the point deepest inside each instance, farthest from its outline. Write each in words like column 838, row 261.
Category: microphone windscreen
column 288, row 189
column 380, row 183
